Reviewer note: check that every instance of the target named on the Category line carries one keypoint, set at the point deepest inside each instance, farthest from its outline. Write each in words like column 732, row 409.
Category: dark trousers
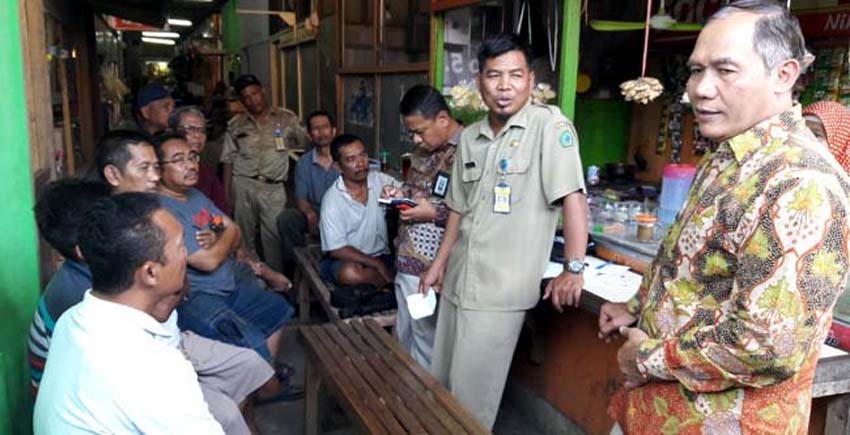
column 292, row 227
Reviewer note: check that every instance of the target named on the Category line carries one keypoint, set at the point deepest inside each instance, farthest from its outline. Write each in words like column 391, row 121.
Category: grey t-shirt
column 346, row 222
column 220, row 281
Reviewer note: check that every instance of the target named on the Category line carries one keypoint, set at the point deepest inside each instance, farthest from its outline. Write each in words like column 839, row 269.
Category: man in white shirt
column 115, row 366
column 353, row 226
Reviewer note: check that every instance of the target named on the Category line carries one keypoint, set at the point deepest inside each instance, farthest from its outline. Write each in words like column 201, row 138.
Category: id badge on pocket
column 441, row 184
column 502, row 198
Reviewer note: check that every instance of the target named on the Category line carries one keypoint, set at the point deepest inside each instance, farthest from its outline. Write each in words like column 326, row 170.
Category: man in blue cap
column 152, row 109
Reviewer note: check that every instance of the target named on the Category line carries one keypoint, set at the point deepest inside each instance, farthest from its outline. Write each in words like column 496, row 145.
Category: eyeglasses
column 192, row 129
column 182, row 160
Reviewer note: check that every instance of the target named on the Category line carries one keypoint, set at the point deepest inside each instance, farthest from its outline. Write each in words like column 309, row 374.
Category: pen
column 603, row 265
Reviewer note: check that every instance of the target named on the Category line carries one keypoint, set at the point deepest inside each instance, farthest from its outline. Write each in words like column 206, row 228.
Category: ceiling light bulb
column 173, row 35
column 158, row 41
column 179, row 22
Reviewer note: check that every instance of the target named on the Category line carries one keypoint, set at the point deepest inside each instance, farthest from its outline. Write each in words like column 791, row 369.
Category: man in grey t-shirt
column 353, row 227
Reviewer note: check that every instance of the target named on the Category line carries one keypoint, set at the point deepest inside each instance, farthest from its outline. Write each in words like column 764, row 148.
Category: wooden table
column 379, row 386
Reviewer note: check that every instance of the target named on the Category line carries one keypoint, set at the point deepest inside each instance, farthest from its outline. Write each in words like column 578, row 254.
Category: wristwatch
column 575, row 266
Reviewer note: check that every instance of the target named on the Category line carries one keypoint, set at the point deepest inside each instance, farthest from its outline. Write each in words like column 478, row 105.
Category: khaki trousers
column 257, row 205
column 415, row 336
column 227, row 374
column 472, row 356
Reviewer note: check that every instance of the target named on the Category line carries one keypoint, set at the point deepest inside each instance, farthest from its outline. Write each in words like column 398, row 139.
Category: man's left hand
column 423, row 212
column 564, row 290
column 627, row 357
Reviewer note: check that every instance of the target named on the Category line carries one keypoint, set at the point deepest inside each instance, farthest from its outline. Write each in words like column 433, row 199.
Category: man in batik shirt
column 435, row 134
column 732, row 313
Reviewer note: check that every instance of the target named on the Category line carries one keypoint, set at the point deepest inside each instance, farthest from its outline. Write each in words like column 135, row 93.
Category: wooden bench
column 379, row 386
column 308, row 280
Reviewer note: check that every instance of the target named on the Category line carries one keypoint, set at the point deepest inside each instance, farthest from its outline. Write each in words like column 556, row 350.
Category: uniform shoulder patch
column 567, row 139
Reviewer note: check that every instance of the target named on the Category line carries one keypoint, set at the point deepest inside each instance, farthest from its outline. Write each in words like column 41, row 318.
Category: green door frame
column 19, row 279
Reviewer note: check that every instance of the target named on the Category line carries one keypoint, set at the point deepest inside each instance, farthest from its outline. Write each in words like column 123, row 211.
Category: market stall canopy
column 156, row 12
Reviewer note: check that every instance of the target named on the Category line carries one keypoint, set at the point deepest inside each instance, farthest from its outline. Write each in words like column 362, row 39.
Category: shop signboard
column 825, row 23
column 118, row 23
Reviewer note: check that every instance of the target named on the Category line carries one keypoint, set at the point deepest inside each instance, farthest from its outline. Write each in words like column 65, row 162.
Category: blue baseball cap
column 150, row 93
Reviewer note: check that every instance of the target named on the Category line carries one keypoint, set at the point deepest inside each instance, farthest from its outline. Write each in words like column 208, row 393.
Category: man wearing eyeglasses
column 190, row 123
column 219, row 305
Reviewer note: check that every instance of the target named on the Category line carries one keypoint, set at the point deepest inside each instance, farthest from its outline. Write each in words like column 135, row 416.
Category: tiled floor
column 287, row 418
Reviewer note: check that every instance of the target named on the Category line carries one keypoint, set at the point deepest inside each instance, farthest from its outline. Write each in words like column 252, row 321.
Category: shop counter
column 560, row 359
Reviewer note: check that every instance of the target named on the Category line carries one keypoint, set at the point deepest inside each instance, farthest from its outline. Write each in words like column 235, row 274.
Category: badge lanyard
column 279, row 144
column 502, row 190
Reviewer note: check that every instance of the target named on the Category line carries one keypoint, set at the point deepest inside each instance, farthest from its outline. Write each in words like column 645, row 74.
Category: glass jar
column 645, row 227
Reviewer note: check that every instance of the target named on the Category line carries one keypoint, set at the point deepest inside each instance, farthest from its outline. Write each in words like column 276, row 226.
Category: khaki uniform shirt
column 499, row 259
column 251, row 148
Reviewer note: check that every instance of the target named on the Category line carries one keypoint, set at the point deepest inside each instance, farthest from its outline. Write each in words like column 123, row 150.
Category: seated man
column 227, row 374
column 125, row 160
column 190, row 122
column 114, row 366
column 219, row 305
column 314, row 174
column 353, row 227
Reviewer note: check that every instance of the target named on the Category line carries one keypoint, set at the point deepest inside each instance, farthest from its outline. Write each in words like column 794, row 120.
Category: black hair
column 499, row 44
column 342, row 140
column 319, row 113
column 424, row 100
column 60, row 210
column 114, row 149
column 162, row 138
column 118, row 236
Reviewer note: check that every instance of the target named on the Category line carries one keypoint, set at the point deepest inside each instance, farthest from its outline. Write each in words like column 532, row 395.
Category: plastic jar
column 645, row 227
column 674, row 190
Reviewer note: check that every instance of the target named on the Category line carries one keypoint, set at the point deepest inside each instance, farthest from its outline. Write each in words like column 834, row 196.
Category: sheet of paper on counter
column 612, row 282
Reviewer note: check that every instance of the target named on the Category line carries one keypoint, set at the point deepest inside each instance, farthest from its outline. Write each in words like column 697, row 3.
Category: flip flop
column 284, row 372
column 286, row 394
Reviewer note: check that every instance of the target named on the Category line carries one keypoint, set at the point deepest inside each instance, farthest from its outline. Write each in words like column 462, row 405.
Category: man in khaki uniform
column 513, row 173
column 256, row 162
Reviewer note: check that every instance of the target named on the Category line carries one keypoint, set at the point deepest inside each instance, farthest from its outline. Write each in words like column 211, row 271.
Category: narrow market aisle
column 287, row 418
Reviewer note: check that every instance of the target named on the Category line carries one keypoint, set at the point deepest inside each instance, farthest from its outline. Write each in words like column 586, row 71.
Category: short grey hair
column 777, row 36
column 177, row 115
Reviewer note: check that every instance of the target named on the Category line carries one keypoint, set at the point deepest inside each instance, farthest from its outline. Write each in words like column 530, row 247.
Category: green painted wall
column 231, row 32
column 603, row 130
column 570, row 37
column 19, row 284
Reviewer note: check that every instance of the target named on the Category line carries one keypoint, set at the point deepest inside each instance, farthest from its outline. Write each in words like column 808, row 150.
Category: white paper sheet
column 421, row 306
column 827, row 351
column 612, row 282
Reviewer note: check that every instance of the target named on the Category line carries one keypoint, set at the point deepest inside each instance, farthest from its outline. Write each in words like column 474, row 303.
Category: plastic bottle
column 674, row 190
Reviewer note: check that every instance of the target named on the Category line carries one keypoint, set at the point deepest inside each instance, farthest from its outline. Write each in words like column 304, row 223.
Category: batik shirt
column 418, row 241
column 740, row 295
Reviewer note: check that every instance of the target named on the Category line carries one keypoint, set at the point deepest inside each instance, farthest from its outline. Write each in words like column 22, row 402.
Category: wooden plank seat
column 379, row 386
column 308, row 280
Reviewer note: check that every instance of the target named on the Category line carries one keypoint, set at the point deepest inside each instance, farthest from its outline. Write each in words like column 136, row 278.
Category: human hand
column 379, row 265
column 627, row 357
column 312, row 221
column 432, row 278
column 612, row 316
column 565, row 290
column 423, row 212
column 390, row 191
column 206, row 238
column 276, row 280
